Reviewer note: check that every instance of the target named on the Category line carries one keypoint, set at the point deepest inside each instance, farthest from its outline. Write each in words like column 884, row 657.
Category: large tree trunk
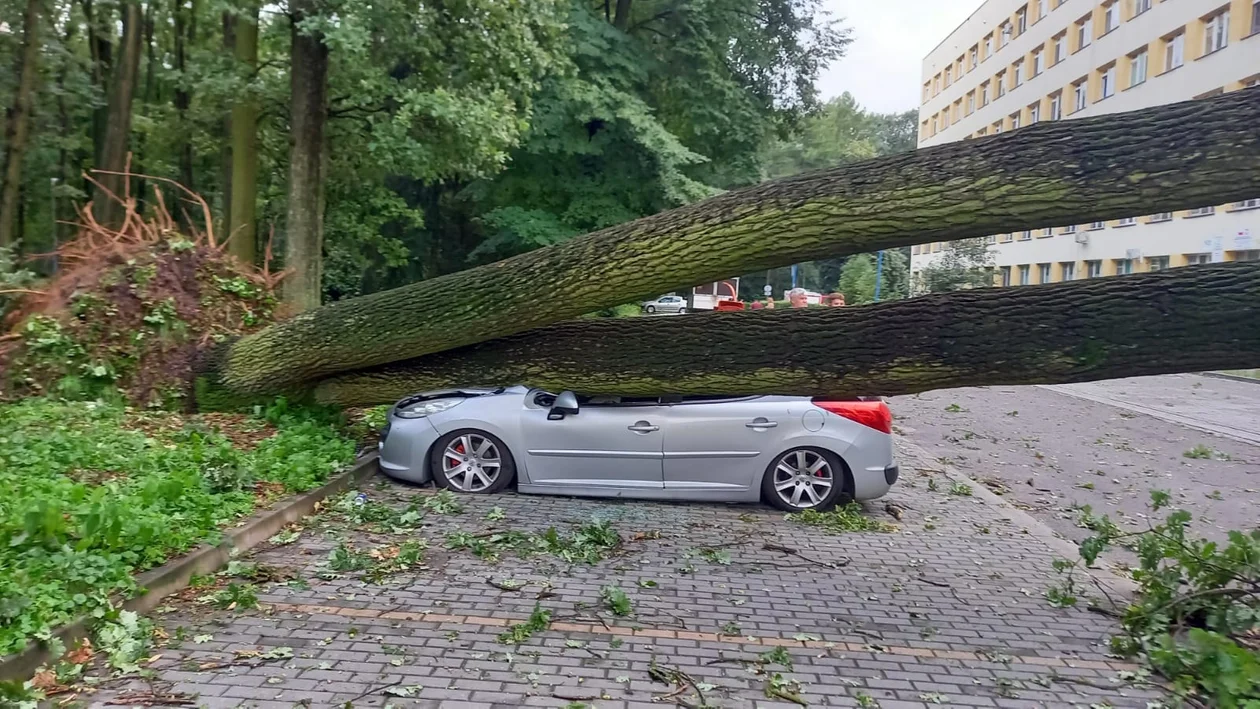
column 304, row 234
column 118, row 122
column 185, row 33
column 225, row 152
column 99, row 23
column 1174, row 157
column 1183, row 320
column 243, row 240
column 17, row 127
column 621, row 20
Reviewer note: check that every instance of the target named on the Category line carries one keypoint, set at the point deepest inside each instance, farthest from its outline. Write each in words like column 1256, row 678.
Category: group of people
column 799, row 298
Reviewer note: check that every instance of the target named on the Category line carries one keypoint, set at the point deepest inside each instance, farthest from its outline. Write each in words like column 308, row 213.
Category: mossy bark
column 1173, row 157
column 1183, row 320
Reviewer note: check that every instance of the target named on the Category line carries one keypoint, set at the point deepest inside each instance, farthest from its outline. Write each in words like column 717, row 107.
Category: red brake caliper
column 459, row 448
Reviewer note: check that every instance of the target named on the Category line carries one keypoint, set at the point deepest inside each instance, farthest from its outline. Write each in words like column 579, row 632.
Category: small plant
column 344, row 557
column 866, row 701
column 730, row 628
column 954, row 409
column 616, row 600
column 848, row 518
column 1202, row 452
column 961, row 490
column 932, row 486
column 443, row 503
column 1196, row 614
column 125, row 641
column 234, row 596
column 716, row 556
column 495, row 514
column 539, row 620
column 778, row 656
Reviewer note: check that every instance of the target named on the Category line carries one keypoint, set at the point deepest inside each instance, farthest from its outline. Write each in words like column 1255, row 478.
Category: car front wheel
column 682, row 311
column 651, row 309
column 472, row 461
column 804, row 479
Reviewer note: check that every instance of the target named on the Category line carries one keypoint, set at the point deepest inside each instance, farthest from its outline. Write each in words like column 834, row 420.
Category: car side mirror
column 566, row 404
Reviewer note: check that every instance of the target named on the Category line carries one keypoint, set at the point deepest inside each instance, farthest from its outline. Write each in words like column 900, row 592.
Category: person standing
column 798, row 298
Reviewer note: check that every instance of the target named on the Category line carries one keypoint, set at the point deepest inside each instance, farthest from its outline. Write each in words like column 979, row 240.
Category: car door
column 721, row 443
column 613, row 445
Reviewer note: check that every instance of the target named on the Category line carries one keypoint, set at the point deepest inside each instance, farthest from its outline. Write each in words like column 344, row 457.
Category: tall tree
column 117, row 139
column 966, row 263
column 185, row 31
column 241, row 220
column 18, row 124
column 308, row 112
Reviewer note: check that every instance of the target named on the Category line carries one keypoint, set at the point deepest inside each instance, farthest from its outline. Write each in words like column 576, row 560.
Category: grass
column 845, row 518
column 1202, row 452
column 95, row 493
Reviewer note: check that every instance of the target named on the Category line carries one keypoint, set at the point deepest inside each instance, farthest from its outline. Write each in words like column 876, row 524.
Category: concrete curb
column 1231, row 377
column 175, row 575
column 1117, row 587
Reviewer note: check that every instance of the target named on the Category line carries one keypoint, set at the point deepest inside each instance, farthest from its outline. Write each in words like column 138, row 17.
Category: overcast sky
column 890, row 38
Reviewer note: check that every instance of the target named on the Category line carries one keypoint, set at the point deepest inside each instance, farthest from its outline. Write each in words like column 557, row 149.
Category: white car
column 794, row 452
column 666, row 304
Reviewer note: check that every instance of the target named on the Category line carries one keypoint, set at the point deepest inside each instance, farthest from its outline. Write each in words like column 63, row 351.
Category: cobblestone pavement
column 945, row 611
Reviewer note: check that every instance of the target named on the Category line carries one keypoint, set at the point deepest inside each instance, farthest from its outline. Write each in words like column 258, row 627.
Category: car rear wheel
column 651, row 309
column 472, row 461
column 805, row 479
column 682, row 311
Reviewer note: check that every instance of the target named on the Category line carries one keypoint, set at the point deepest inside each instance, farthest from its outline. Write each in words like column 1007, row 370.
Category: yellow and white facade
column 1014, row 63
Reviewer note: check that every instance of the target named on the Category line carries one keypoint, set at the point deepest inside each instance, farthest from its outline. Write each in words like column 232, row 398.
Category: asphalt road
column 1052, row 450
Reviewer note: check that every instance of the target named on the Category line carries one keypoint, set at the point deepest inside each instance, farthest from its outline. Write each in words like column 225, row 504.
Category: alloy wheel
column 471, row 463
column 803, row 478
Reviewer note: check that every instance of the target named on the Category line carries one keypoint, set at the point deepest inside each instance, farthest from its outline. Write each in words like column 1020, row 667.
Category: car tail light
column 873, row 414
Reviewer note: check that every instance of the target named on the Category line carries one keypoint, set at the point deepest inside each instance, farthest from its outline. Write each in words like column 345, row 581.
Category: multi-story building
column 1014, row 63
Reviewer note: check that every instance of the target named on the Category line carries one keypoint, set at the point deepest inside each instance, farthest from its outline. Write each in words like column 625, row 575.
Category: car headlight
column 420, row 409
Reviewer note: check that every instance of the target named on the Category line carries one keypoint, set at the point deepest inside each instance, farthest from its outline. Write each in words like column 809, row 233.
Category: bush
column 1196, row 615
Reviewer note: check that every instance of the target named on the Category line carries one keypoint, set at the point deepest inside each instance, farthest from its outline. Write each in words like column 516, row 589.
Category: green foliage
column 589, row 544
column 234, row 596
column 842, row 132
column 13, row 277
column 857, row 278
column 517, row 633
column 1196, row 614
column 963, row 264
column 844, row 518
column 777, row 656
column 961, row 490
column 125, row 640
column 1202, row 452
column 91, row 498
column 616, row 600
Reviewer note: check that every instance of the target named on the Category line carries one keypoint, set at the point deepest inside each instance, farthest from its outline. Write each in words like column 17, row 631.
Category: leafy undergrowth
column 1196, row 615
column 589, row 544
column 94, row 493
column 844, row 518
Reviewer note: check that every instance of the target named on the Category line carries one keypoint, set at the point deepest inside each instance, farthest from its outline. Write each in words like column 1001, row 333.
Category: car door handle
column 643, row 427
column 761, row 424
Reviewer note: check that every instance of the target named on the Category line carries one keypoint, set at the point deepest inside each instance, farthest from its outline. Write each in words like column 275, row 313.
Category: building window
column 1006, row 275
column 1247, row 204
column 1161, row 217
column 1255, row 17
column 1021, row 19
column 1005, row 238
column 948, row 69
column 1000, row 81
column 1093, row 269
column 1060, row 48
column 1124, row 266
column 1252, row 255
column 1043, row 273
column 1157, row 263
column 1216, row 32
column 1140, row 6
column 997, row 127
column 1253, row 81
column 971, row 102
column 1018, row 71
column 1034, row 114
column 1043, row 9
column 1137, row 68
column 1038, row 62
column 936, row 85
column 984, row 94
column 1070, row 229
column 1107, row 79
column 1084, row 32
column 975, row 58
column 988, row 46
column 1198, row 259
column 990, row 239
column 1005, row 36
column 1201, row 212
column 1025, row 235
column 1174, row 51
column 1095, row 226
column 1015, row 120
column 936, row 124
column 1068, row 269
column 1080, row 90
column 1127, row 221
column 1056, row 106
column 1111, row 17
column 1023, row 275
column 957, row 110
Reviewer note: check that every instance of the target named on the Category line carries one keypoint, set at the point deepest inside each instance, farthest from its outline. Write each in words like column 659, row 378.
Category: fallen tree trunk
column 1173, row 157
column 1184, row 320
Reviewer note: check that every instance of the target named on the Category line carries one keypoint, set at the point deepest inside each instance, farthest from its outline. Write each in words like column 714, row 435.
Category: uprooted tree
column 1181, row 156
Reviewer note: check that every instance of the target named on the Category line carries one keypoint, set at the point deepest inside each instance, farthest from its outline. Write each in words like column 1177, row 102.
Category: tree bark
column 243, row 239
column 17, row 128
column 225, row 153
column 101, row 49
column 621, row 20
column 1178, row 156
column 118, row 123
column 1182, row 320
column 185, row 34
column 304, row 237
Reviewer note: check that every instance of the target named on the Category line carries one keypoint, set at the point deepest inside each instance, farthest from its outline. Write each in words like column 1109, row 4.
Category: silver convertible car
column 793, row 452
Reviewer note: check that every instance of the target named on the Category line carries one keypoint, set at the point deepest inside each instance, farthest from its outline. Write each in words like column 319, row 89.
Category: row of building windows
column 1030, row 234
column 1033, row 273
column 1104, row 82
column 1080, row 34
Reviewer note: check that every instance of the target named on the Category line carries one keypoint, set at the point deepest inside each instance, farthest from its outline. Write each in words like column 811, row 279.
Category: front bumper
column 404, row 448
